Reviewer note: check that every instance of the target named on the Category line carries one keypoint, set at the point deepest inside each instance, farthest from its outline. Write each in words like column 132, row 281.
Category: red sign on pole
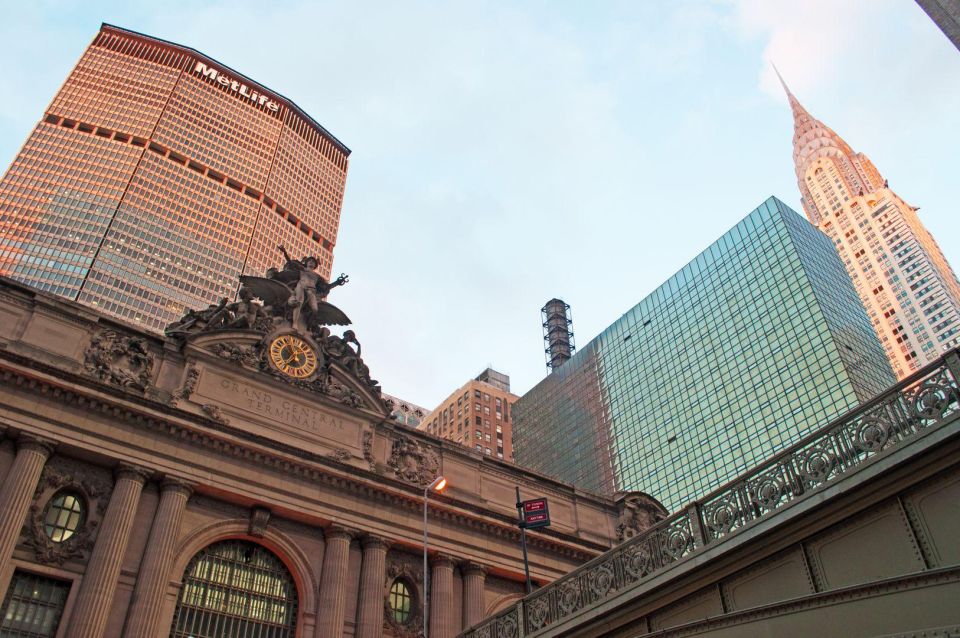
column 536, row 513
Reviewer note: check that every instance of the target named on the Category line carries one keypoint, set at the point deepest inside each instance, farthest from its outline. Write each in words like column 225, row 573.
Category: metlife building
column 157, row 175
column 757, row 341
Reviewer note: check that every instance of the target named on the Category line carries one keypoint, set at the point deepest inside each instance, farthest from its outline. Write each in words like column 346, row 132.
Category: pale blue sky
column 506, row 153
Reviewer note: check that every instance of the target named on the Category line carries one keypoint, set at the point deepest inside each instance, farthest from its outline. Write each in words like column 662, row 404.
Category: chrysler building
column 909, row 290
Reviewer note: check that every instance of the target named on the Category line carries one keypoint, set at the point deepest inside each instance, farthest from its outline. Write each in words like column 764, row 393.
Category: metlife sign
column 236, row 86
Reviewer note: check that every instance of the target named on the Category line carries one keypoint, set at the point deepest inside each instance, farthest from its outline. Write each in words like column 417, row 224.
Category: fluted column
column 17, row 491
column 95, row 597
column 333, row 581
column 143, row 616
column 372, row 577
column 441, row 598
column 474, row 576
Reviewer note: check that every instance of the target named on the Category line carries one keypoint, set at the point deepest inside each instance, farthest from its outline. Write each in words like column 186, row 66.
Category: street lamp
column 436, row 486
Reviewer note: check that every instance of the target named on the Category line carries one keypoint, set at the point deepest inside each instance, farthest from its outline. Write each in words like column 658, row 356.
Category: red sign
column 536, row 513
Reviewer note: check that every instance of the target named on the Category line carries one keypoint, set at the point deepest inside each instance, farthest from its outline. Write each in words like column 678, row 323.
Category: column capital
column 442, row 560
column 175, row 484
column 337, row 531
column 35, row 443
column 131, row 473
column 372, row 541
column 469, row 567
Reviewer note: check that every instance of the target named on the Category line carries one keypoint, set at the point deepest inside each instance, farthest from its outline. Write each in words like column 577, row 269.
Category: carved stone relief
column 259, row 519
column 637, row 512
column 413, row 462
column 214, row 412
column 368, row 450
column 247, row 356
column 119, row 359
column 340, row 454
column 189, row 384
column 92, row 485
column 410, row 569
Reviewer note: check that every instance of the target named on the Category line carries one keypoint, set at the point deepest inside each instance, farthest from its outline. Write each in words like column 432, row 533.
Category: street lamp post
column 437, row 486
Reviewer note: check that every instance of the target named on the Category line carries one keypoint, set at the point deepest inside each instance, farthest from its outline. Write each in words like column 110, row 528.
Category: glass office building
column 756, row 342
column 156, row 176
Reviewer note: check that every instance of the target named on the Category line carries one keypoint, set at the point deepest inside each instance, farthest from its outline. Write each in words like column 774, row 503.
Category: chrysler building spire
column 816, row 145
column 909, row 290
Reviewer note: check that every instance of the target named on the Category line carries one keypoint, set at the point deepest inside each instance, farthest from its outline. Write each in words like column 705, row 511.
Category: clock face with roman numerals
column 293, row 356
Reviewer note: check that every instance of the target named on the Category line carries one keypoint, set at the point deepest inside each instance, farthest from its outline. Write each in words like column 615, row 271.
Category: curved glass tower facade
column 756, row 342
column 157, row 175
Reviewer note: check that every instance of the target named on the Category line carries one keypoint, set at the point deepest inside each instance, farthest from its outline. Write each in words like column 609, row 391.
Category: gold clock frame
column 293, row 356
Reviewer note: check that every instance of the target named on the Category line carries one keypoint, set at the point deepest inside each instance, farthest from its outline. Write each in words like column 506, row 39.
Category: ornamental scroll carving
column 215, row 413
column 259, row 520
column 189, row 384
column 413, row 462
column 637, row 512
column 410, row 569
column 247, row 356
column 92, row 485
column 119, row 359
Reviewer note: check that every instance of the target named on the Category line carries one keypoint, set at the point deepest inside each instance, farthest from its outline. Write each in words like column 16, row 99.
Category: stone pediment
column 279, row 327
column 329, row 375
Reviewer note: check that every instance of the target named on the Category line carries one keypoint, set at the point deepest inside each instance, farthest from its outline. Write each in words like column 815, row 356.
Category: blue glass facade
column 756, row 342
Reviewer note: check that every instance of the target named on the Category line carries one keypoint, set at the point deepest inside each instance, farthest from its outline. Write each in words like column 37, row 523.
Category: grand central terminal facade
column 241, row 476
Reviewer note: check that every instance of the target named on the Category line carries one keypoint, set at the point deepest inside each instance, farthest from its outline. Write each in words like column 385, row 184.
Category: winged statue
column 301, row 290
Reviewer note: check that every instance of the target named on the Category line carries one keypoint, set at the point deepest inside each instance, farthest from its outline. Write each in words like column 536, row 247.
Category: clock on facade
column 293, row 356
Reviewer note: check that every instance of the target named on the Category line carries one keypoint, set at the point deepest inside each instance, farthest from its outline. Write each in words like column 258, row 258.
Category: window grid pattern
column 401, row 601
column 64, row 517
column 271, row 230
column 56, row 202
column 200, row 191
column 33, row 606
column 732, row 359
column 115, row 91
column 308, row 183
column 178, row 241
column 214, row 128
column 236, row 588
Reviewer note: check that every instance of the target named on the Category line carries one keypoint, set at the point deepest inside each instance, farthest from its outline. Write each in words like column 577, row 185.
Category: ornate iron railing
column 505, row 624
column 920, row 402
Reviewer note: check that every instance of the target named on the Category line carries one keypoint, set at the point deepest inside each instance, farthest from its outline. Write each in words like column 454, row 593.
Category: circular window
column 64, row 516
column 401, row 602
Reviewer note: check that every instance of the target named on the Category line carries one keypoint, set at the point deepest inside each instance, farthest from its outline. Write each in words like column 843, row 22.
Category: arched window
column 236, row 588
column 401, row 601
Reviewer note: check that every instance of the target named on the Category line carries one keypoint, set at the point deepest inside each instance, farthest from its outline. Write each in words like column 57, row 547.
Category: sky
column 507, row 153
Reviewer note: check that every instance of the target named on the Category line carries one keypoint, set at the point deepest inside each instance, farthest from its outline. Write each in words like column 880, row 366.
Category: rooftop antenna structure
column 557, row 332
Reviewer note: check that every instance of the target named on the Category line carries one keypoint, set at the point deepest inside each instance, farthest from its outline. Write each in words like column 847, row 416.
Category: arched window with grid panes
column 236, row 588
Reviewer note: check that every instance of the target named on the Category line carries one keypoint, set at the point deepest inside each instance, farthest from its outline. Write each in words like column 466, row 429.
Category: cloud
column 806, row 39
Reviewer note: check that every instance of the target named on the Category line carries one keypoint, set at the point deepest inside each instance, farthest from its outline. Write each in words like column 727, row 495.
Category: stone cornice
column 546, row 484
column 205, row 432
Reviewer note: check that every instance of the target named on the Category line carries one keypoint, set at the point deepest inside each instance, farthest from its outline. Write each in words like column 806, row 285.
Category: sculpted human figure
column 308, row 286
column 196, row 320
column 245, row 312
column 351, row 360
